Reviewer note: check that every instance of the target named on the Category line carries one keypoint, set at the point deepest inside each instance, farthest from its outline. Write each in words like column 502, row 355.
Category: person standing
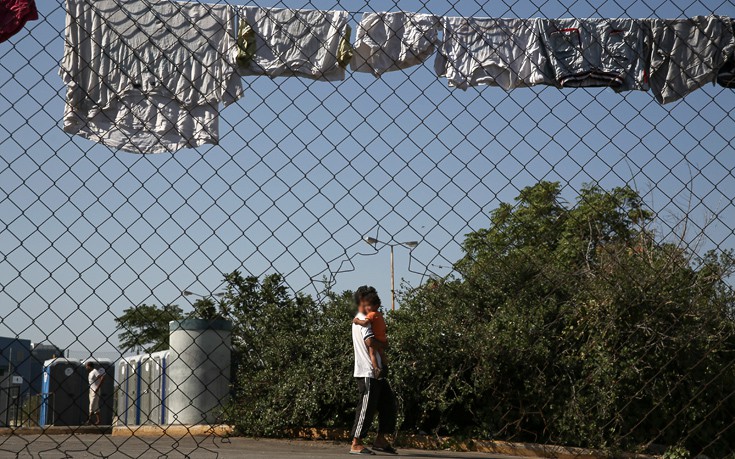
column 374, row 394
column 96, row 376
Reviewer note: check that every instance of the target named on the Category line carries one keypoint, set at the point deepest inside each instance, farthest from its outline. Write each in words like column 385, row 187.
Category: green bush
column 572, row 325
column 294, row 357
column 566, row 324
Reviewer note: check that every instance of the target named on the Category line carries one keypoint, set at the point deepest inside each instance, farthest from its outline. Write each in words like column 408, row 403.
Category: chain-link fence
column 544, row 205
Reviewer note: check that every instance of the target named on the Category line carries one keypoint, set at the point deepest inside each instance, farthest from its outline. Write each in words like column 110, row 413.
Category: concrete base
column 57, row 430
column 201, row 430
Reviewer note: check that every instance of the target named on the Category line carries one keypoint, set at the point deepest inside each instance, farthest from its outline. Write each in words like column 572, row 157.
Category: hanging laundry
column 726, row 75
column 284, row 42
column 388, row 42
column 686, row 54
column 148, row 76
column 13, row 16
column 596, row 52
column 491, row 51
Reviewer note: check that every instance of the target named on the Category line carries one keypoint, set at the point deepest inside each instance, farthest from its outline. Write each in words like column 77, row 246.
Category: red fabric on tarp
column 13, row 16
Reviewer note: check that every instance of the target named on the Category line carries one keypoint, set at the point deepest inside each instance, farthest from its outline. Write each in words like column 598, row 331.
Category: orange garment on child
column 378, row 324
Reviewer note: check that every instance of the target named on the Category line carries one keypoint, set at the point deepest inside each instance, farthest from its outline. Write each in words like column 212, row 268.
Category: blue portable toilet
column 142, row 389
column 63, row 396
column 153, row 374
column 128, row 388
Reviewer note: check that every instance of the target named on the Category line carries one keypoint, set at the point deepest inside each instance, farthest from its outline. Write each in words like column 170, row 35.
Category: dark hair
column 372, row 298
column 362, row 292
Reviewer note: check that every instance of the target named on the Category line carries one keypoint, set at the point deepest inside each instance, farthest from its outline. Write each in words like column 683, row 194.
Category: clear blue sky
column 306, row 169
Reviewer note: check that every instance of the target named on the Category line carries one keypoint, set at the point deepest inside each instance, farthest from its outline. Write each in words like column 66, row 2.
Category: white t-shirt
column 363, row 364
column 491, row 51
column 95, row 378
column 292, row 42
column 394, row 41
column 148, row 77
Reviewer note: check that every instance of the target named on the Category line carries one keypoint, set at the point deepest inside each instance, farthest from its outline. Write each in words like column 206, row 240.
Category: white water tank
column 199, row 370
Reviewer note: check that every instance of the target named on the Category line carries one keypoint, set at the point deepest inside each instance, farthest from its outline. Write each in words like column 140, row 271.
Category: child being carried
column 374, row 318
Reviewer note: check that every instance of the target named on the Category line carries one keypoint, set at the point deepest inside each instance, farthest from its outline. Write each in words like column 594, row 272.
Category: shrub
column 567, row 324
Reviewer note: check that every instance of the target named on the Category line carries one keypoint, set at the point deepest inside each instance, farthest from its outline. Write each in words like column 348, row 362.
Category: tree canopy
column 145, row 327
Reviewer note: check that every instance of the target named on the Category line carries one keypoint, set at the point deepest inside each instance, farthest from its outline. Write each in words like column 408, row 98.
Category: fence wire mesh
column 562, row 255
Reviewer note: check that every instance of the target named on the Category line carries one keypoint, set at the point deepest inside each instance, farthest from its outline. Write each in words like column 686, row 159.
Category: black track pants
column 374, row 396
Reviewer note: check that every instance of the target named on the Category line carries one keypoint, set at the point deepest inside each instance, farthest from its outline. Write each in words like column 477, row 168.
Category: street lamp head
column 411, row 244
column 219, row 294
column 371, row 240
column 187, row 293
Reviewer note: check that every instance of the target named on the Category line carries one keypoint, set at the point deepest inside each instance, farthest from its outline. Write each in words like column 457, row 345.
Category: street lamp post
column 409, row 245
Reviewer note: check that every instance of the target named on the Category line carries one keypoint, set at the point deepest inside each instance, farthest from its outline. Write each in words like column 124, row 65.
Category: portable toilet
column 63, row 385
column 128, row 386
column 153, row 386
column 107, row 390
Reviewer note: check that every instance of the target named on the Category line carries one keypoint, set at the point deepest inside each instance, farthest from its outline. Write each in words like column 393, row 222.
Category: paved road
column 106, row 446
